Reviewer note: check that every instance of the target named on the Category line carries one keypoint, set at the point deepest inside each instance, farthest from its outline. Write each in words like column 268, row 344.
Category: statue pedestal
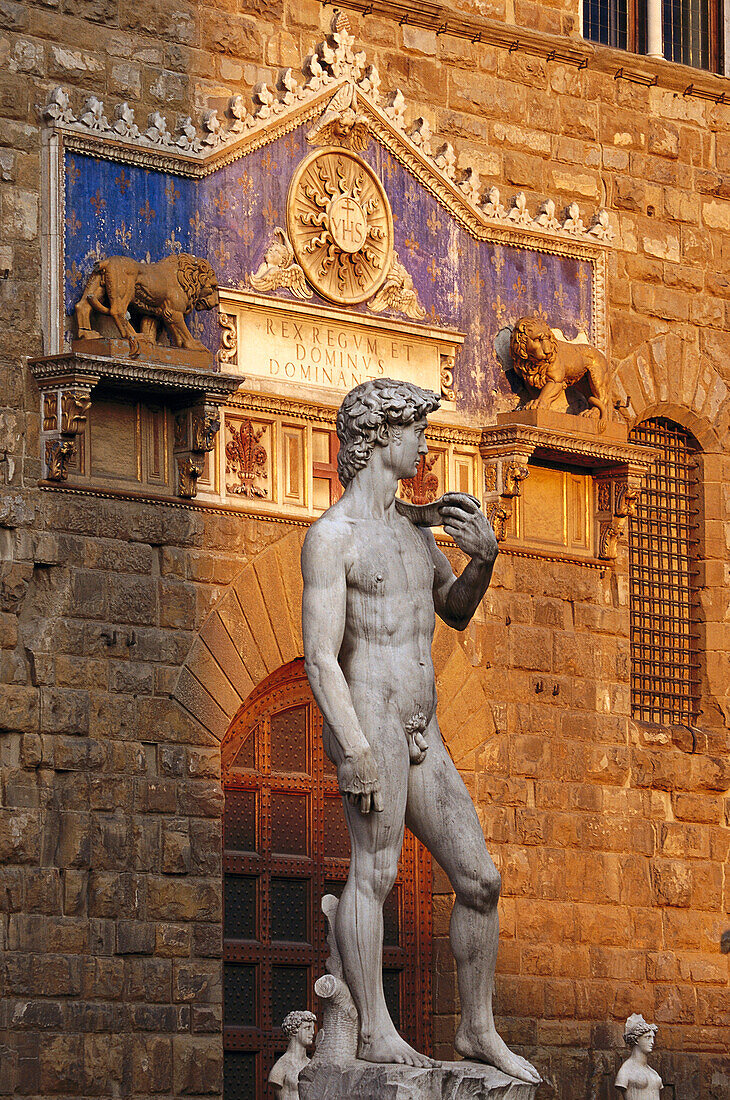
column 444, row 1081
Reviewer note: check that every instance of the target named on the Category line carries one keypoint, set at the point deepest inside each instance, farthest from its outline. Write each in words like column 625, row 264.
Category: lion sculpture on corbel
column 550, row 365
column 155, row 294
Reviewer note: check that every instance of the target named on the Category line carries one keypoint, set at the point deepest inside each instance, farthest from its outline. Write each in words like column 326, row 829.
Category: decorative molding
column 337, row 83
column 82, row 371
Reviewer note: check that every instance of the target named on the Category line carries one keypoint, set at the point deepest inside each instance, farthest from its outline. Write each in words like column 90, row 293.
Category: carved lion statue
column 154, row 294
column 551, row 365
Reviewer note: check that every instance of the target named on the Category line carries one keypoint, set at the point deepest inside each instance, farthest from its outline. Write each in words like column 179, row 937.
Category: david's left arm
column 457, row 598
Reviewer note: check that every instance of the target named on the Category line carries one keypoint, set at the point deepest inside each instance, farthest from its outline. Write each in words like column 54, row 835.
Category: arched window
column 285, row 845
column 663, row 545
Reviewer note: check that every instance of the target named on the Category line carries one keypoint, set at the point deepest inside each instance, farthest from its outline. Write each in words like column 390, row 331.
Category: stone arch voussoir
column 254, row 629
column 668, row 377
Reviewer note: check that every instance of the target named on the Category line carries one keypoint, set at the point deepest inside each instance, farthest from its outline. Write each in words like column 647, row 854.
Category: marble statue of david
column 373, row 584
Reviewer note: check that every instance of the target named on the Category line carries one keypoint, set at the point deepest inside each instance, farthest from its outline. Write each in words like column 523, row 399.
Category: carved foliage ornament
column 340, row 226
column 246, row 458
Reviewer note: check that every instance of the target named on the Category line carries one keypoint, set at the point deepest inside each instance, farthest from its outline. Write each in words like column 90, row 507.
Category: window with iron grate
column 663, row 545
column 285, row 846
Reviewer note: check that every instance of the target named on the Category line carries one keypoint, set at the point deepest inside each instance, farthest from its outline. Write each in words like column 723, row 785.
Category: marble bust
column 374, row 581
column 636, row 1078
column 284, row 1077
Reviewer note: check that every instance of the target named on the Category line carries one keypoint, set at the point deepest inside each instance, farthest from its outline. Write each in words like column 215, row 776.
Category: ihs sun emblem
column 340, row 225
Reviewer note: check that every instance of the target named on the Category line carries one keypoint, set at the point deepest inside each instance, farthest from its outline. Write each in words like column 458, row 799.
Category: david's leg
column 442, row 815
column 376, row 840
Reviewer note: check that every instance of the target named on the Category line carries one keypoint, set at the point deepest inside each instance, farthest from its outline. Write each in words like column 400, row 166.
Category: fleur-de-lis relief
column 545, row 217
column 433, row 222
column 97, row 201
column 146, row 212
column 370, row 83
column 93, row 115
column 573, row 222
column 396, row 109
column 157, row 131
column 497, row 260
column 72, row 172
column 74, row 275
column 171, row 192
column 72, row 223
column 172, row 244
column 445, row 159
column 493, row 207
column 123, row 182
column 246, row 458
column 601, row 227
column 123, row 235
column 237, row 110
column 124, row 123
column 289, row 87
column 263, row 97
column 420, row 134
column 212, row 126
column 519, row 287
column 469, row 185
column 187, row 135
column 423, row 486
column 58, row 107
column 519, row 214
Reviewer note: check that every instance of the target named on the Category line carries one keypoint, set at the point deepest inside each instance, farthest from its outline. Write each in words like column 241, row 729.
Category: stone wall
column 612, row 837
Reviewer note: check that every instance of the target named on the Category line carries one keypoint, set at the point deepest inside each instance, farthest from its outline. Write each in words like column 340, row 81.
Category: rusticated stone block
column 443, row 1081
column 198, row 1066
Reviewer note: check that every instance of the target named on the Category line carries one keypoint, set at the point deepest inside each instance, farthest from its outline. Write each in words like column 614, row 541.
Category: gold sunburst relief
column 340, row 225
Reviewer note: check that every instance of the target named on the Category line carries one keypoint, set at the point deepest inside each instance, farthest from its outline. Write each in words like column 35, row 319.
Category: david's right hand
column 359, row 781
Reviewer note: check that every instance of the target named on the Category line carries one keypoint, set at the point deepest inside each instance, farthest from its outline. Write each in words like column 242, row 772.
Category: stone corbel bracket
column 617, row 500
column 618, row 467
column 66, row 383
column 195, row 433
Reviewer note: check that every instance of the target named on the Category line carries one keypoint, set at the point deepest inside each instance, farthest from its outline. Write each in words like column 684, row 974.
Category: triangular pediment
column 333, row 68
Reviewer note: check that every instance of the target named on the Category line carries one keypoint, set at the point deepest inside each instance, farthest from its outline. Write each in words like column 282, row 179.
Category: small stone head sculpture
column 302, row 1024
column 639, row 1033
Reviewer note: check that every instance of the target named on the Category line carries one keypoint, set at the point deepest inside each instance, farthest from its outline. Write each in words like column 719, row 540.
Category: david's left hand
column 469, row 528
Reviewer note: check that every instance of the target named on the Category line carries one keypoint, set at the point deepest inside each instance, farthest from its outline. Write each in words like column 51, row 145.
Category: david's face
column 407, row 447
column 306, row 1033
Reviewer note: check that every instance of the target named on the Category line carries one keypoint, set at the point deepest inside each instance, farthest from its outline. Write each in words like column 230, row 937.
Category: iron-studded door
column 285, row 845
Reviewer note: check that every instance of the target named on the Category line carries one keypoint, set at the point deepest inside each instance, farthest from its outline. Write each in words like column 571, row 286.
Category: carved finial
column 493, row 207
column 518, row 213
column 93, row 115
column 157, row 131
column 545, row 218
column 187, row 135
column 396, row 109
column 469, row 185
column 58, row 107
column 124, row 123
column 420, row 134
column 214, row 134
column 573, row 222
column 601, row 227
column 370, row 83
column 445, row 159
column 340, row 22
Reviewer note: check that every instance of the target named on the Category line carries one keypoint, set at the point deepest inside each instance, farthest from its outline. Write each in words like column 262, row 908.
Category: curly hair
column 366, row 408
column 636, row 1026
column 294, row 1021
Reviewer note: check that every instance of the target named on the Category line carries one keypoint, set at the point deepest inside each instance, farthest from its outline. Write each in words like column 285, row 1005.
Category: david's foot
column 391, row 1048
column 494, row 1051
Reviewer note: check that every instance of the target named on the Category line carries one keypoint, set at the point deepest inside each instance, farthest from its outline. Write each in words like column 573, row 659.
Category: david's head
column 371, row 414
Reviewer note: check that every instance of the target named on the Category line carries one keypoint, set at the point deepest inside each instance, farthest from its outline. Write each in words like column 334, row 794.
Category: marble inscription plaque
column 333, row 349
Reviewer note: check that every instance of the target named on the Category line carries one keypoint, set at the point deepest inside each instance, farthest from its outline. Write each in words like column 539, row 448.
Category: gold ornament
column 340, row 225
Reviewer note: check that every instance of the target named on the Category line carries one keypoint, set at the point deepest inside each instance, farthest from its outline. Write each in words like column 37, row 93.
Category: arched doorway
column 285, row 845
